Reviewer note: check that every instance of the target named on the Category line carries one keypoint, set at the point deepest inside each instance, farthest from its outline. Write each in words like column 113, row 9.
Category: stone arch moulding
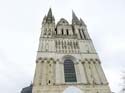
column 69, row 57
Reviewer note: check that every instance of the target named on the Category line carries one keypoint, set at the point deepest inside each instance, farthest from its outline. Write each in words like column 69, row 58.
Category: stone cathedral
column 66, row 57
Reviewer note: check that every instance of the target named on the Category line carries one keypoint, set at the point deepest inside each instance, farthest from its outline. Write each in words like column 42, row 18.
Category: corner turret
column 75, row 20
column 82, row 22
column 48, row 25
column 49, row 18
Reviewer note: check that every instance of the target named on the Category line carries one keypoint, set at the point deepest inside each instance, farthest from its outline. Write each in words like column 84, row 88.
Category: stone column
column 86, row 34
column 88, row 71
column 77, row 70
column 40, row 46
column 78, row 34
column 51, row 72
column 95, row 74
column 70, row 32
column 62, row 79
column 44, row 73
column 37, row 78
column 82, row 73
column 82, row 34
column 57, row 72
column 42, row 69
column 77, row 46
column 54, row 72
column 101, row 73
column 64, row 31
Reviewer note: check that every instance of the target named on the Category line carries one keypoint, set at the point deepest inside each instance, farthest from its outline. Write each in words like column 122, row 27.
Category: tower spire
column 82, row 22
column 75, row 19
column 50, row 17
column 49, row 13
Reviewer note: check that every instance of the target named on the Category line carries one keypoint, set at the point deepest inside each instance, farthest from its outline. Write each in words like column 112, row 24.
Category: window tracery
column 69, row 71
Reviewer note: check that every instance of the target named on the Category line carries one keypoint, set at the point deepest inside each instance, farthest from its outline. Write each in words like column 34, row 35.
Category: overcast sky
column 20, row 23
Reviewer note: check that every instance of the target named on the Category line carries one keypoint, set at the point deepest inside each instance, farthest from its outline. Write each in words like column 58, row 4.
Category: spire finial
column 75, row 20
column 50, row 17
column 74, row 15
column 49, row 13
column 82, row 22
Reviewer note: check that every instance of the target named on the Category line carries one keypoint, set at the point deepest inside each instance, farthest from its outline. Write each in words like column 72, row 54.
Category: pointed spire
column 82, row 22
column 74, row 16
column 75, row 20
column 49, row 13
column 50, row 17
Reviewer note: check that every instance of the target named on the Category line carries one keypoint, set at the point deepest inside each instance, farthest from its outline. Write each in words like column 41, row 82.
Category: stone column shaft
column 62, row 73
column 88, row 71
column 37, row 77
column 82, row 73
column 45, row 72
column 77, row 70
column 57, row 73
column 95, row 74
column 101, row 73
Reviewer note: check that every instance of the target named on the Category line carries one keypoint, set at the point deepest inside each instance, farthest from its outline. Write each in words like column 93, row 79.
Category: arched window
column 80, row 34
column 67, row 32
column 62, row 32
column 69, row 71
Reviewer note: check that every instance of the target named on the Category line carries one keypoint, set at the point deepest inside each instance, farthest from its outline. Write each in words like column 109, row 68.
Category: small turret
column 44, row 19
column 82, row 22
column 75, row 20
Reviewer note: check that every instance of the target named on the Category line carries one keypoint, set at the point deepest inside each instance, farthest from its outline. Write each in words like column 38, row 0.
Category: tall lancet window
column 69, row 71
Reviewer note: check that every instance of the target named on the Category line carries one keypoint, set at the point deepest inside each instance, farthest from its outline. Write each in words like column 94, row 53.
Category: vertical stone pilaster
column 76, row 31
column 42, row 71
column 77, row 70
column 95, row 74
column 86, row 34
column 40, row 46
column 45, row 72
column 101, row 73
column 88, row 71
column 82, row 73
column 51, row 78
column 54, row 72
column 62, row 73
column 57, row 72
column 70, row 32
column 82, row 34
column 37, row 73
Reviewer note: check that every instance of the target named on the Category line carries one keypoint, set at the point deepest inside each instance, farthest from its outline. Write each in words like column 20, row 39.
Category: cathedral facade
column 66, row 57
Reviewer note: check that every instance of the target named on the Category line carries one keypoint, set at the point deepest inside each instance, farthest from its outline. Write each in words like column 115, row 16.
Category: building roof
column 27, row 89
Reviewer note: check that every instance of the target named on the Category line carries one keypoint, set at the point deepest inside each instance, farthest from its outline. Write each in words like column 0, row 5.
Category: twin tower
column 66, row 57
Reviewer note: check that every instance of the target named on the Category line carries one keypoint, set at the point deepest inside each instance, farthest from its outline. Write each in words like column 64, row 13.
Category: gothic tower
column 66, row 57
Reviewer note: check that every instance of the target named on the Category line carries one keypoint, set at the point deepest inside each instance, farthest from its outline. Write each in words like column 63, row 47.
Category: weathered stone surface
column 67, row 41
